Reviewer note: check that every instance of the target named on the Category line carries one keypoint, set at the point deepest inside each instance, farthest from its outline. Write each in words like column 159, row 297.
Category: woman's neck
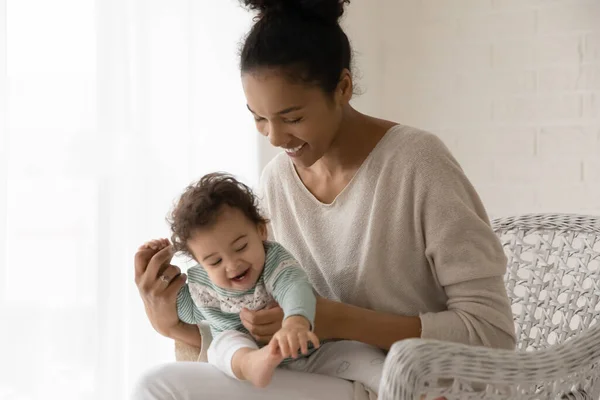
column 357, row 137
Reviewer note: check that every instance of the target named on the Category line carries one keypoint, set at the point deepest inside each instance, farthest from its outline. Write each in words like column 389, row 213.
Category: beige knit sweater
column 408, row 235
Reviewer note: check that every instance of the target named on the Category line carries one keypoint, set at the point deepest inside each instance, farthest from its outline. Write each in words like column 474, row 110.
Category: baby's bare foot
column 260, row 365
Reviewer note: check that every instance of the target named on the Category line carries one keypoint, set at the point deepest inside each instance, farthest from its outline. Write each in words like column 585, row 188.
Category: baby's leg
column 354, row 361
column 237, row 355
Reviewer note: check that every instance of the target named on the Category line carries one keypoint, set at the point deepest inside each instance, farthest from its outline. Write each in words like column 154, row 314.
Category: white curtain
column 108, row 108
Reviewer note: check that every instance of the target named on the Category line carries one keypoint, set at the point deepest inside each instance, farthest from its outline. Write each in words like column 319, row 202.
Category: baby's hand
column 294, row 334
column 156, row 244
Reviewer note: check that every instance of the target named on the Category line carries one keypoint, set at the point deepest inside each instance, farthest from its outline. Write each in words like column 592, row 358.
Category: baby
column 217, row 222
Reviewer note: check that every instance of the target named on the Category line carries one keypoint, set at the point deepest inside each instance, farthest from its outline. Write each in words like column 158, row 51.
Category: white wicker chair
column 553, row 280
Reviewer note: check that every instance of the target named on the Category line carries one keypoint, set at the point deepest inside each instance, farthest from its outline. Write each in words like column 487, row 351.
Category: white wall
column 512, row 87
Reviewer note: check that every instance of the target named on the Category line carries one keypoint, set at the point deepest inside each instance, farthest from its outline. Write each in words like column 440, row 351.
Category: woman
column 391, row 233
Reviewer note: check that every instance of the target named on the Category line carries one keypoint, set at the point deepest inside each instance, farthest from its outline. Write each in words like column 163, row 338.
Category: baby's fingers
column 144, row 246
column 284, row 347
column 314, row 339
column 274, row 346
column 294, row 345
column 156, row 244
column 303, row 342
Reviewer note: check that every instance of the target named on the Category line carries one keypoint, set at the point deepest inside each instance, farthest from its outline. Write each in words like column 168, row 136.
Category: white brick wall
column 512, row 87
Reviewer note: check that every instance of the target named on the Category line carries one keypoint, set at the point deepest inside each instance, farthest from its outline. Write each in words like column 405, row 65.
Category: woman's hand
column 263, row 324
column 158, row 282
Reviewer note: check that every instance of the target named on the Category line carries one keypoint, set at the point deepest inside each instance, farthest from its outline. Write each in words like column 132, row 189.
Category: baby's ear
column 263, row 232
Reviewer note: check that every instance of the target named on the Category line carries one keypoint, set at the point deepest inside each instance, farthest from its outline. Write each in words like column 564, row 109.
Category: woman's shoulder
column 409, row 139
column 410, row 146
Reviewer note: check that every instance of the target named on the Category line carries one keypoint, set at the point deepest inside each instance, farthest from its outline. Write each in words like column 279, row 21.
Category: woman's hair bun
column 327, row 11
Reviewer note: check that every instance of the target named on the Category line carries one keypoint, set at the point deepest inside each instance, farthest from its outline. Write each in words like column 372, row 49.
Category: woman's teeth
column 294, row 149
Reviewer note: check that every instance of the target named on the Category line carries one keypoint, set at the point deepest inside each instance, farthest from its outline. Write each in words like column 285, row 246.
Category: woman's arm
column 463, row 320
column 342, row 321
column 464, row 254
column 186, row 333
column 339, row 321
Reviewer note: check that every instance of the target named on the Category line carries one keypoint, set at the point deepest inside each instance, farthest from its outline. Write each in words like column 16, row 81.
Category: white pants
column 198, row 381
column 202, row 381
column 353, row 361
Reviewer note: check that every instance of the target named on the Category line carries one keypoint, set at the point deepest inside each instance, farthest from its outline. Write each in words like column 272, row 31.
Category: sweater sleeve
column 186, row 308
column 289, row 285
column 463, row 252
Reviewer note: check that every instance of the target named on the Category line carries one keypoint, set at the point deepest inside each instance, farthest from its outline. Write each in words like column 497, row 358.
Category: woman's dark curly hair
column 201, row 203
column 301, row 37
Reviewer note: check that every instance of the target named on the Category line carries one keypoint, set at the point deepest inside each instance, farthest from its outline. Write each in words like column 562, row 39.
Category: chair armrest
column 186, row 352
column 417, row 367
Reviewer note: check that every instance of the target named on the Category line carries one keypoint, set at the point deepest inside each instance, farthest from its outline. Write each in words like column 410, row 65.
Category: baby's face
column 231, row 250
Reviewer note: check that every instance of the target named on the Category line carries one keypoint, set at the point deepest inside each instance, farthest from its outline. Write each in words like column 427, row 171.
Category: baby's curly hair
column 202, row 201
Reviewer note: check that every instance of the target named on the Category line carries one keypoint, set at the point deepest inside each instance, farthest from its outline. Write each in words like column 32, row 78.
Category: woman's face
column 301, row 119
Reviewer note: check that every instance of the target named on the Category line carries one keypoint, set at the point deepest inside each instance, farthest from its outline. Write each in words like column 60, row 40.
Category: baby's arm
column 290, row 287
column 187, row 310
column 293, row 292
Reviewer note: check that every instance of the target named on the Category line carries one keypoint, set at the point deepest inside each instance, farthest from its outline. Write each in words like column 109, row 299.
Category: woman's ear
column 345, row 87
